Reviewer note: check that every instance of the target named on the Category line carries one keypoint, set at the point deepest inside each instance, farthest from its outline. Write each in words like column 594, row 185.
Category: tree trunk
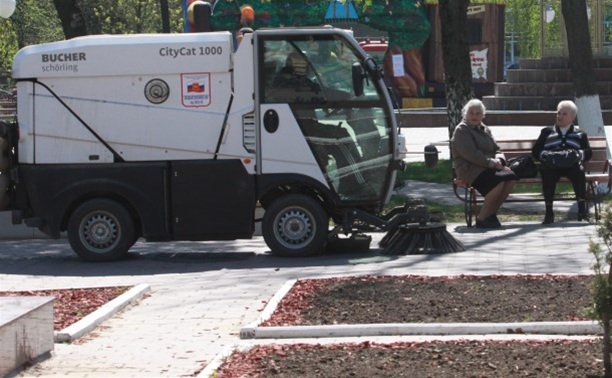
column 139, row 17
column 165, row 16
column 71, row 18
column 581, row 62
column 456, row 56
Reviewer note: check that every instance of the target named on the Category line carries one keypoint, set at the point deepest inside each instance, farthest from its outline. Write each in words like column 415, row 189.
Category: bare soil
column 422, row 299
column 387, row 299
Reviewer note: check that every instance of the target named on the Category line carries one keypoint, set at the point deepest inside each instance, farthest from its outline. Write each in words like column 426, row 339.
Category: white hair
column 473, row 103
column 567, row 104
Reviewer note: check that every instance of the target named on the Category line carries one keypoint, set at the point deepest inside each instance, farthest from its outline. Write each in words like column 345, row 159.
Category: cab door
column 312, row 121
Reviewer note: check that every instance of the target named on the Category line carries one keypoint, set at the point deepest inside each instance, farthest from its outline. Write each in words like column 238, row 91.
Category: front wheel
column 295, row 225
column 101, row 230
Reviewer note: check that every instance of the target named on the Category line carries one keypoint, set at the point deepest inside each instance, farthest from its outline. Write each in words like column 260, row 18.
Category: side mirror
column 357, row 75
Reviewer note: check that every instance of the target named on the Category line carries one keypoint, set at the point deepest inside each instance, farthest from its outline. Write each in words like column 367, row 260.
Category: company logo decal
column 195, row 89
column 63, row 62
column 157, row 91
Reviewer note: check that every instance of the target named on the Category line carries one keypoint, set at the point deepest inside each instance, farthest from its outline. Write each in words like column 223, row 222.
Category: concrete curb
column 91, row 321
column 413, row 329
column 210, row 371
column 270, row 307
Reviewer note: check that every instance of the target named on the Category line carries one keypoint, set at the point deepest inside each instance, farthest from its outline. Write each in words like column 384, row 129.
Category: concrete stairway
column 436, row 117
column 528, row 97
column 539, row 84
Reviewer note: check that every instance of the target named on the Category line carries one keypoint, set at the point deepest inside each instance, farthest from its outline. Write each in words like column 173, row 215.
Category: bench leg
column 467, row 213
column 470, row 207
column 474, row 202
column 592, row 200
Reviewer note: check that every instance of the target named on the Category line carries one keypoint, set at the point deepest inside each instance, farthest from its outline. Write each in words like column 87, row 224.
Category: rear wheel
column 295, row 225
column 101, row 230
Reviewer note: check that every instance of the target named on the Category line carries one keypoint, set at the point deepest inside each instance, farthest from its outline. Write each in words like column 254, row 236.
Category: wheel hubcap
column 100, row 232
column 295, row 228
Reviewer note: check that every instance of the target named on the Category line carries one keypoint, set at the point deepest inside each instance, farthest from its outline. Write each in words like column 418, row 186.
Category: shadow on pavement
column 56, row 258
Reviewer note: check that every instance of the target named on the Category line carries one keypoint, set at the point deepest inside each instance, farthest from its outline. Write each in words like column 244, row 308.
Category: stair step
column 604, row 88
column 436, row 117
column 557, row 63
column 533, row 102
column 521, row 75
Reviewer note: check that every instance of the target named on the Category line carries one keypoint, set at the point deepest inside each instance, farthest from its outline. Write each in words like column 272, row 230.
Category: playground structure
column 413, row 60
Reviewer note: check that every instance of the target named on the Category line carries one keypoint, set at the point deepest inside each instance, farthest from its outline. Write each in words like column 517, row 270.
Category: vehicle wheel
column 101, row 230
column 295, row 225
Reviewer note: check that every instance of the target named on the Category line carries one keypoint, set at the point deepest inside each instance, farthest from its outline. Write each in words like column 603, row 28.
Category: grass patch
column 442, row 174
column 455, row 213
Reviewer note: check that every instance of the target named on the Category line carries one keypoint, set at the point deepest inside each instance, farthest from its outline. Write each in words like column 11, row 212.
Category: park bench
column 598, row 179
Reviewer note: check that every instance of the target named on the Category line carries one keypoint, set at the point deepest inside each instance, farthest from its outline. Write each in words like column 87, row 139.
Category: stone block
column 26, row 330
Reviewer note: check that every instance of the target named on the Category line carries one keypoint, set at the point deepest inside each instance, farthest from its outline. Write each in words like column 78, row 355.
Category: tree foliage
column 33, row 22
column 36, row 22
column 8, row 44
column 602, row 286
column 130, row 16
column 523, row 26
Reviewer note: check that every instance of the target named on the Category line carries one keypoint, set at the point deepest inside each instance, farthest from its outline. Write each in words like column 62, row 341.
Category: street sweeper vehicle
column 182, row 136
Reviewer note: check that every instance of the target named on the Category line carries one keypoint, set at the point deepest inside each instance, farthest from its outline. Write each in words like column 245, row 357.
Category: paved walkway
column 203, row 293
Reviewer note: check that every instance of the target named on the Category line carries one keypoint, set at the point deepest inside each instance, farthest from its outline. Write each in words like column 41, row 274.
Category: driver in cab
column 292, row 82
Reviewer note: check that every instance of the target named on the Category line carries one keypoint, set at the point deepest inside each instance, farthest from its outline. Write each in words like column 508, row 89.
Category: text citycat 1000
column 180, row 136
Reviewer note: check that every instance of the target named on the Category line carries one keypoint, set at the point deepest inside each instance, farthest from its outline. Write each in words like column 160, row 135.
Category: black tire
column 101, row 230
column 295, row 225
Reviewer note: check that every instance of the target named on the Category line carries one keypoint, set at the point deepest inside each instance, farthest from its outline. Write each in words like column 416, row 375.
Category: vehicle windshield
column 348, row 134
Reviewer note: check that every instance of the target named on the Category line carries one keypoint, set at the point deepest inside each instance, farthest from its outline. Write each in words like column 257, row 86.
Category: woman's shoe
column 549, row 218
column 487, row 223
column 583, row 215
column 494, row 221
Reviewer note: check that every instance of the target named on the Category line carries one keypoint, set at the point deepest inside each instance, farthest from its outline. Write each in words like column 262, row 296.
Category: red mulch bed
column 71, row 305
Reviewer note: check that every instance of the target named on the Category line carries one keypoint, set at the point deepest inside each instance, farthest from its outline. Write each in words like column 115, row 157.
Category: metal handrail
column 7, row 96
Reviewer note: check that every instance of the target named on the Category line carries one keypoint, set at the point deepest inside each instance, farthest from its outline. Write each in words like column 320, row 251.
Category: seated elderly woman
column 477, row 159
